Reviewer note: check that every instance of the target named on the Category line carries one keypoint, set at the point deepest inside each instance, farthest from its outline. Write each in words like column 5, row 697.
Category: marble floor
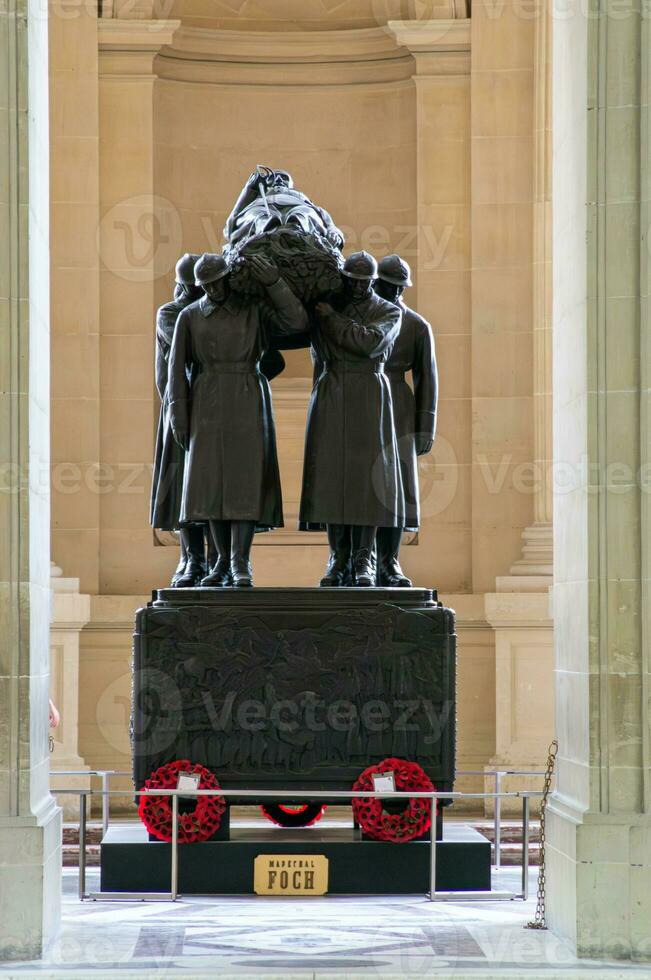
column 290, row 938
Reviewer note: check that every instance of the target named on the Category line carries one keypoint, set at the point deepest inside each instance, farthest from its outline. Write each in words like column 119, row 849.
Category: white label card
column 188, row 782
column 384, row 782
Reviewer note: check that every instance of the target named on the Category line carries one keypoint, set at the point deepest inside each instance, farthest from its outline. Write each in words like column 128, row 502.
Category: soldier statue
column 351, row 475
column 224, row 419
column 167, row 483
column 414, row 411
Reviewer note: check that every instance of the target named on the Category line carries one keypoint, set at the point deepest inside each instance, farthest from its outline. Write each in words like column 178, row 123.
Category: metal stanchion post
column 82, row 846
column 498, row 821
column 525, row 847
column 174, row 883
column 432, row 853
column 106, row 802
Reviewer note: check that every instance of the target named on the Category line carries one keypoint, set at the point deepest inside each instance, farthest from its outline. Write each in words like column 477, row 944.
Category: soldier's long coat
column 351, row 471
column 169, row 460
column 231, row 470
column 413, row 411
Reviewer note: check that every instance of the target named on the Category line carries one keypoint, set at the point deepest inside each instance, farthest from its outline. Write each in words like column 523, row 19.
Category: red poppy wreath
column 197, row 825
column 301, row 815
column 412, row 821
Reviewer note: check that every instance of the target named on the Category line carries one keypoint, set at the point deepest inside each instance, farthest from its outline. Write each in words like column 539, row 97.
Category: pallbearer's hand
column 323, row 310
column 264, row 271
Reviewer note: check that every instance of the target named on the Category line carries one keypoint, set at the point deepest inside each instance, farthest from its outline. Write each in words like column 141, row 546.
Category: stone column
column 533, row 571
column 442, row 294
column 74, row 280
column 502, row 230
column 599, row 821
column 140, row 240
column 30, row 821
column 511, row 348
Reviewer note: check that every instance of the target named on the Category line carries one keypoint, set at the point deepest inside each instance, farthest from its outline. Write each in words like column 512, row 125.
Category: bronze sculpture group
column 282, row 282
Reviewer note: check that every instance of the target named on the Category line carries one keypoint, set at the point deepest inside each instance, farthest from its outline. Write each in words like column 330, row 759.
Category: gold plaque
column 290, row 874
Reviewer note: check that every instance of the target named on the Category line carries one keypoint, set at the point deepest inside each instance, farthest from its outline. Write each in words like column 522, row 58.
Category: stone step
column 511, row 840
column 71, row 833
column 70, row 855
column 511, row 833
column 511, row 855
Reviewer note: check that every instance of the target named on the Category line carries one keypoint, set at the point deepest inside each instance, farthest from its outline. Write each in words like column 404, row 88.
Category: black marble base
column 129, row 863
column 296, row 598
column 294, row 688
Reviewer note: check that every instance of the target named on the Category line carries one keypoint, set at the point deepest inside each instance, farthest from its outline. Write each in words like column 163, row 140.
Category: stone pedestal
column 294, row 687
column 70, row 613
column 357, row 866
column 105, row 679
column 524, row 688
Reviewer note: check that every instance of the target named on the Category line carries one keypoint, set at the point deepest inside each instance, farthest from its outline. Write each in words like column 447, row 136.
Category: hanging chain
column 539, row 921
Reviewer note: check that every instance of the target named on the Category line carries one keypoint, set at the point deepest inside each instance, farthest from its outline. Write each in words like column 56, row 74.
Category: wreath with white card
column 378, row 818
column 196, row 824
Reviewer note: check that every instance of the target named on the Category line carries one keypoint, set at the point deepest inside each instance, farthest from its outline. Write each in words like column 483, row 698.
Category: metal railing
column 343, row 795
column 105, row 776
column 496, row 774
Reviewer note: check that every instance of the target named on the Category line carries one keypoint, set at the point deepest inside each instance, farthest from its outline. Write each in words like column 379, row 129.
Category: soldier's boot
column 195, row 567
column 211, row 550
column 241, row 540
column 180, row 568
column 219, row 576
column 390, row 574
column 363, row 570
column 364, row 575
column 338, row 572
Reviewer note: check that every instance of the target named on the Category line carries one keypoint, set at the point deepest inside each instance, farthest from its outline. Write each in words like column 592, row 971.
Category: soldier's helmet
column 185, row 269
column 360, row 265
column 209, row 268
column 395, row 270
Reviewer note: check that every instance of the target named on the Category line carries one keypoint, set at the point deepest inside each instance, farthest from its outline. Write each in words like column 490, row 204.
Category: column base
column 599, row 881
column 533, row 572
column 30, row 882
